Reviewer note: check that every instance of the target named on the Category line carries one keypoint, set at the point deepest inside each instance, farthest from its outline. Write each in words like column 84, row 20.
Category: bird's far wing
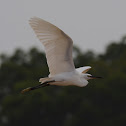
column 83, row 69
column 58, row 46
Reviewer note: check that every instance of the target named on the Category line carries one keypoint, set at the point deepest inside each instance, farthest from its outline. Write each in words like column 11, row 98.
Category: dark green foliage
column 101, row 103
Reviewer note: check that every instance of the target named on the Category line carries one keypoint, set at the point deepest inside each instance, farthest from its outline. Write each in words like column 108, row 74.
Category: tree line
column 102, row 102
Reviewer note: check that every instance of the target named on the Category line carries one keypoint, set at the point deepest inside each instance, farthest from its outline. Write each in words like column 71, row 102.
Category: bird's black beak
column 93, row 77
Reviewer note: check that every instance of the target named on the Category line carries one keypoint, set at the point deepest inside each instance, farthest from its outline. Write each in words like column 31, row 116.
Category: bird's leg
column 38, row 86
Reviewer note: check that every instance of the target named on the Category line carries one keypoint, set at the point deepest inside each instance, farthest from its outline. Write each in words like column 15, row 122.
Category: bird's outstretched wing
column 83, row 69
column 58, row 46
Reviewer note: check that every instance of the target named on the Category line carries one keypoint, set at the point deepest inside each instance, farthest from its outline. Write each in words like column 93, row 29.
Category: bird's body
column 69, row 78
column 58, row 49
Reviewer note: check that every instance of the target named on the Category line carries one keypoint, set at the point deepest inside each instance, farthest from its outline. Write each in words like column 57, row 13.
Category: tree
column 101, row 102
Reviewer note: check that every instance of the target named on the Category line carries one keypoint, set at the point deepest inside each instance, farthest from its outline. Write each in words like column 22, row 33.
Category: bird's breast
column 67, row 78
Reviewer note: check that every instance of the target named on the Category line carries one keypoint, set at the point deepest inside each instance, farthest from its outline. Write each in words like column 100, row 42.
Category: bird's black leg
column 38, row 86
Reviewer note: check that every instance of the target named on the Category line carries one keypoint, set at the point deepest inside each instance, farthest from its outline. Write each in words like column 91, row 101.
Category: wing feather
column 58, row 46
column 83, row 69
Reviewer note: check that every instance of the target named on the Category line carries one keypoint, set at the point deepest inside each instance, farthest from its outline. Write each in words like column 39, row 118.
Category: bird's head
column 89, row 76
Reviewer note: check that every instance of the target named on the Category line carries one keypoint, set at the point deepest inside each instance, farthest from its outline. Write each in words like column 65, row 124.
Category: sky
column 92, row 24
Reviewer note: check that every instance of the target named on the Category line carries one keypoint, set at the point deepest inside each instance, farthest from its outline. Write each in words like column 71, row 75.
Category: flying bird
column 58, row 48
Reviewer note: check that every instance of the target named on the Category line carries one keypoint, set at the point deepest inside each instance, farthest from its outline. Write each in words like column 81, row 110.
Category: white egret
column 58, row 49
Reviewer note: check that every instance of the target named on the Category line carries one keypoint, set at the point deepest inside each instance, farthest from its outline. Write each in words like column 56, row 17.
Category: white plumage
column 58, row 46
column 58, row 49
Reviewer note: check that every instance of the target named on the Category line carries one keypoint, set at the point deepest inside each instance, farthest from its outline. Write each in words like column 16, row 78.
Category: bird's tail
column 45, row 79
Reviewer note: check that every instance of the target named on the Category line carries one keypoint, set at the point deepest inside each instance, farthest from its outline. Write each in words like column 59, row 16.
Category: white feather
column 82, row 69
column 58, row 46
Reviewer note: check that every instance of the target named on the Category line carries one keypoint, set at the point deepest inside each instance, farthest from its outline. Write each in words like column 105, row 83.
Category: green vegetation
column 101, row 103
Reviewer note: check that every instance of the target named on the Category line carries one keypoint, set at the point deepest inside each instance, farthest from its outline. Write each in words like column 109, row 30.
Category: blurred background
column 99, row 34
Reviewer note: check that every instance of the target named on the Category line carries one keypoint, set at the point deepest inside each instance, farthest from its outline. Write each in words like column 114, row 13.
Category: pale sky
column 92, row 24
